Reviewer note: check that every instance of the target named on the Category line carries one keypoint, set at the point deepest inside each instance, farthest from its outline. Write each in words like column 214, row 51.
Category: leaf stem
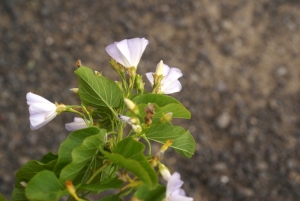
column 145, row 138
column 96, row 172
column 120, row 133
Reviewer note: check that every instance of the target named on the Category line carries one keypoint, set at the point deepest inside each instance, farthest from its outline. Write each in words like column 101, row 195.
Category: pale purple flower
column 169, row 83
column 174, row 192
column 127, row 52
column 78, row 123
column 41, row 110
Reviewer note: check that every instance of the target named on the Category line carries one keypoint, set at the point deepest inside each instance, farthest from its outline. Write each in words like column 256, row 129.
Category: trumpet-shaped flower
column 174, row 192
column 78, row 123
column 169, row 84
column 41, row 110
column 127, row 52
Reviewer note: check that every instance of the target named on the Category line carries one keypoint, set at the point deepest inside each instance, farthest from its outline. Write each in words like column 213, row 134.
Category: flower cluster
column 106, row 107
column 128, row 53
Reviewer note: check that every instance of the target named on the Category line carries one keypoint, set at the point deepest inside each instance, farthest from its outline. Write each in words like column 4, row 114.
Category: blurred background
column 241, row 66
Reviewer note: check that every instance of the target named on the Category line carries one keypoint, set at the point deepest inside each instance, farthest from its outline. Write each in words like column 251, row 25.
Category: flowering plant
column 100, row 154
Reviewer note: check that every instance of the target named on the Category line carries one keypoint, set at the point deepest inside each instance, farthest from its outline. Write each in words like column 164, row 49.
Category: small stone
column 224, row 179
column 281, row 71
column 223, row 120
column 49, row 41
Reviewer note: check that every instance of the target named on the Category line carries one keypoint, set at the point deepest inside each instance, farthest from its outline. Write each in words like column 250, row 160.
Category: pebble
column 223, row 120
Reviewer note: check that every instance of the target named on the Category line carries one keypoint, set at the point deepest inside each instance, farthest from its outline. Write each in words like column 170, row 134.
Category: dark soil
column 241, row 65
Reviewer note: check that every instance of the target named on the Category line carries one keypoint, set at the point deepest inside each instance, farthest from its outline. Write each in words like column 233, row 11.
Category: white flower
column 127, row 52
column 174, row 192
column 169, row 83
column 41, row 110
column 78, row 123
column 132, row 121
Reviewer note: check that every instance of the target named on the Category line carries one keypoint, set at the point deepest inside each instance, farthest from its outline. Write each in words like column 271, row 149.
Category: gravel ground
column 241, row 65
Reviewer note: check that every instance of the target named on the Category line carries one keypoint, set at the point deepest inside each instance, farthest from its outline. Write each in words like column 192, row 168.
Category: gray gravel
column 240, row 61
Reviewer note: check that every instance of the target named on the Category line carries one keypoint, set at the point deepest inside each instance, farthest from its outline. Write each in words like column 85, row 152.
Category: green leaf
column 163, row 104
column 2, row 198
column 129, row 154
column 74, row 140
column 49, row 157
column 97, row 91
column 159, row 99
column 145, row 194
column 183, row 141
column 18, row 194
column 28, row 171
column 177, row 109
column 108, row 172
column 45, row 186
column 107, row 184
column 111, row 198
column 82, row 154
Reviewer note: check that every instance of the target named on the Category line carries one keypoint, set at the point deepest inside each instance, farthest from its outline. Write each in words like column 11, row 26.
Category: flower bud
column 23, row 183
column 123, row 176
column 159, row 155
column 136, row 128
column 71, row 189
column 164, row 171
column 166, row 117
column 166, row 145
column 78, row 63
column 75, row 90
column 150, row 111
column 139, row 83
column 98, row 73
column 131, row 106
column 159, row 68
column 129, row 120
column 119, row 68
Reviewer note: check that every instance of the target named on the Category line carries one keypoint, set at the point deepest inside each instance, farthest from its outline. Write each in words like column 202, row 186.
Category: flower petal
column 40, row 119
column 136, row 47
column 33, row 98
column 179, row 198
column 40, row 109
column 36, row 108
column 173, row 88
column 114, row 52
column 78, row 124
column 174, row 192
column 78, row 119
column 174, row 183
column 173, row 74
column 166, row 70
column 127, row 52
column 150, row 77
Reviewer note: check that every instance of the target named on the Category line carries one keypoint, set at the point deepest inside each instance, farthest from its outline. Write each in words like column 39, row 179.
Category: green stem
column 131, row 85
column 90, row 117
column 120, row 133
column 96, row 173
column 145, row 138
column 79, row 113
